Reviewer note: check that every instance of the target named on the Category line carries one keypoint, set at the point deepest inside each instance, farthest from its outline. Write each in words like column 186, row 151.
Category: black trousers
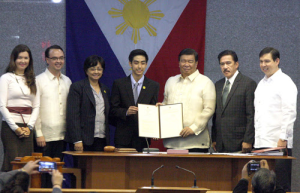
column 283, row 170
column 136, row 142
column 98, row 145
column 52, row 149
column 198, row 150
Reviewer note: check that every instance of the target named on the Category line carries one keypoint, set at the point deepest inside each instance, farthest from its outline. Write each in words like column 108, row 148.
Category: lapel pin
column 104, row 91
column 144, row 87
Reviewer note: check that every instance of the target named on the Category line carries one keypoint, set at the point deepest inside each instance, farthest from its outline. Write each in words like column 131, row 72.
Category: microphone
column 195, row 180
column 152, row 178
column 148, row 150
column 210, row 146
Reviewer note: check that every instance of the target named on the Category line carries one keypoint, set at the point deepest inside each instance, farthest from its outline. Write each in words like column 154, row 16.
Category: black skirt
column 14, row 146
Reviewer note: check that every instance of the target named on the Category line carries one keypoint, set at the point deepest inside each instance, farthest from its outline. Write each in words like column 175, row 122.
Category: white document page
column 148, row 121
column 171, row 122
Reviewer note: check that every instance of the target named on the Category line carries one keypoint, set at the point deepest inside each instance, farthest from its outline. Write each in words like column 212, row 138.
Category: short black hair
column 188, row 51
column 228, row 52
column 137, row 52
column 275, row 53
column 92, row 61
column 52, row 47
column 264, row 181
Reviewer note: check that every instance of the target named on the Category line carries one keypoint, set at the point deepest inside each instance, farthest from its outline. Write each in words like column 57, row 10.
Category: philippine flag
column 113, row 28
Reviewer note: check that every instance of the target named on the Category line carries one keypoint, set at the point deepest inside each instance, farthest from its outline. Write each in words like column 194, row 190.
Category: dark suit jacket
column 122, row 99
column 81, row 112
column 5, row 177
column 234, row 123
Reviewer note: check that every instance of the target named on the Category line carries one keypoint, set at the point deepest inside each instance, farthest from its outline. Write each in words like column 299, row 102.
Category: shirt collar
column 274, row 76
column 231, row 80
column 192, row 76
column 50, row 75
column 94, row 91
column 140, row 81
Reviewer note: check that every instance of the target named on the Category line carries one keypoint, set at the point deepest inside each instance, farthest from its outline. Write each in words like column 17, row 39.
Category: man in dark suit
column 233, row 121
column 126, row 94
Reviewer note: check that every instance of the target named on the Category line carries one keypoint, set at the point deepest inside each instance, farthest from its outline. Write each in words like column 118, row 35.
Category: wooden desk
column 49, row 190
column 168, row 189
column 148, row 189
column 70, row 190
column 130, row 171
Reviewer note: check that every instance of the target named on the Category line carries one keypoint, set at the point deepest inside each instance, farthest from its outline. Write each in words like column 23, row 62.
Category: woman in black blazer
column 88, row 108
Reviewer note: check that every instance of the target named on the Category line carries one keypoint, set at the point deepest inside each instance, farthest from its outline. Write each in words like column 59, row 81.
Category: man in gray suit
column 233, row 121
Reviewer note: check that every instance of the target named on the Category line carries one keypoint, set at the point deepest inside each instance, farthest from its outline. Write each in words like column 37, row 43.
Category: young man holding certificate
column 126, row 94
column 197, row 94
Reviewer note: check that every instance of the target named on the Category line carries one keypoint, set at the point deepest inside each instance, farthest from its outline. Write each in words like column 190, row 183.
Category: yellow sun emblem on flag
column 136, row 15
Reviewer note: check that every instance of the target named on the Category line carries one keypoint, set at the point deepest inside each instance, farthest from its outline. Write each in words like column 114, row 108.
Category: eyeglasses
column 187, row 61
column 55, row 58
column 94, row 69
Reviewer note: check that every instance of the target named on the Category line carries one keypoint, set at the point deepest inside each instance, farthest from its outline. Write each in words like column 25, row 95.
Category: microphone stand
column 148, row 150
column 195, row 180
column 210, row 144
column 152, row 178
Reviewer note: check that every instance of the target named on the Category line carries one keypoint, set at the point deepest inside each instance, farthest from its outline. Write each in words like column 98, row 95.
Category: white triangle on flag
column 122, row 44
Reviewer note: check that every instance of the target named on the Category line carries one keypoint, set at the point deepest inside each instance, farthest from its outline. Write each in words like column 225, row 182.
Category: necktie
column 225, row 92
column 135, row 92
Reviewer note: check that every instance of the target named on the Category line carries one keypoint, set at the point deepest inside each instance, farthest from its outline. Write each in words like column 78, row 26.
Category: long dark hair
column 29, row 72
column 18, row 183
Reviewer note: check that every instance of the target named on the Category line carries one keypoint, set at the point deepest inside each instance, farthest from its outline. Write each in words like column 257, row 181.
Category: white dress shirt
column 231, row 80
column 15, row 93
column 51, row 122
column 140, row 83
column 275, row 110
column 198, row 96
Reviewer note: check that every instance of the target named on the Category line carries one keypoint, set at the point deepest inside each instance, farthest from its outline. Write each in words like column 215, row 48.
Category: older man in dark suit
column 233, row 121
column 126, row 94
